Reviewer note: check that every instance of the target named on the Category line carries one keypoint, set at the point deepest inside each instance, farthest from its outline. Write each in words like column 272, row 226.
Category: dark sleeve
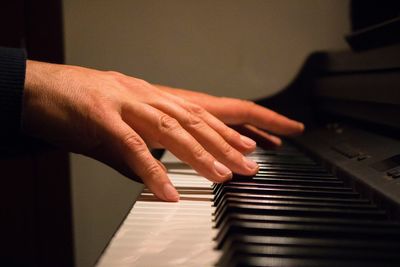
column 12, row 78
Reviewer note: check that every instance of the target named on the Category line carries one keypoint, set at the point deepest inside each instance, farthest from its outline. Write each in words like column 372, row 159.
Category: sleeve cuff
column 12, row 78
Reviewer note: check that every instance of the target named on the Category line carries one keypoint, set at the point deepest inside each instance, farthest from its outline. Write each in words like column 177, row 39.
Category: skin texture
column 116, row 119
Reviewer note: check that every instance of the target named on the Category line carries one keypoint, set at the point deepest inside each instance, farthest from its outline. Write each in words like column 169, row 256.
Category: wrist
column 38, row 81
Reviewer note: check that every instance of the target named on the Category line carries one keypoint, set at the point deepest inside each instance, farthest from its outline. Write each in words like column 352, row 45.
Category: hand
column 115, row 118
column 252, row 118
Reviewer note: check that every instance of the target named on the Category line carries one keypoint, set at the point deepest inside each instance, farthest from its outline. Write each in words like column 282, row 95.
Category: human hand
column 251, row 118
column 115, row 118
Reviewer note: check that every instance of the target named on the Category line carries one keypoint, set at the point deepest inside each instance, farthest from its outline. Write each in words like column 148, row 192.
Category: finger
column 263, row 138
column 135, row 153
column 240, row 142
column 236, row 111
column 209, row 138
column 161, row 165
column 151, row 122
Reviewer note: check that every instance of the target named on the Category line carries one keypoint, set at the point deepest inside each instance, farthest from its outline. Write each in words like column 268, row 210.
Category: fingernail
column 170, row 193
column 222, row 169
column 277, row 141
column 301, row 126
column 250, row 164
column 247, row 141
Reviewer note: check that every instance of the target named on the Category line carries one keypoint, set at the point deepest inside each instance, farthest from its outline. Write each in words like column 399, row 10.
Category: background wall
column 235, row 48
column 232, row 47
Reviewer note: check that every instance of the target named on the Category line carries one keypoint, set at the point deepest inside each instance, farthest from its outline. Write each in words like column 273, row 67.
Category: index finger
column 236, row 111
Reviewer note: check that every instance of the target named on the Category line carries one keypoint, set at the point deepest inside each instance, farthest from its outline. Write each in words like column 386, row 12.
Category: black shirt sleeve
column 12, row 78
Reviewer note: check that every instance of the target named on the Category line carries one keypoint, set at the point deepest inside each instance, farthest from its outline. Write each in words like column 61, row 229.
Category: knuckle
column 167, row 124
column 115, row 73
column 196, row 110
column 193, row 121
column 153, row 170
column 233, row 134
column 230, row 134
column 226, row 148
column 141, row 82
column 134, row 142
column 198, row 152
column 249, row 106
column 117, row 77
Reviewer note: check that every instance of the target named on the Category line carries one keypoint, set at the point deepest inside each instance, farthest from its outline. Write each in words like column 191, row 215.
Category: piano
column 330, row 197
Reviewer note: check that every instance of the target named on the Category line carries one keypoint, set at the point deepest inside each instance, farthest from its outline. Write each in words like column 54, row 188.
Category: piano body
column 330, row 197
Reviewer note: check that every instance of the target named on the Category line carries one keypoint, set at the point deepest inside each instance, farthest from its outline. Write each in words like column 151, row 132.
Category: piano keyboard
column 292, row 213
column 165, row 234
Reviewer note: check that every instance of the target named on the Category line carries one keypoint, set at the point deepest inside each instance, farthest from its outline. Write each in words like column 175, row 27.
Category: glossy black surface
column 294, row 212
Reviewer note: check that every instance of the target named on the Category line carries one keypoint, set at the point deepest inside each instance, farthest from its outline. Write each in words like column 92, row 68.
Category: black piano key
column 315, row 253
column 368, row 234
column 262, row 184
column 291, row 165
column 300, row 220
column 276, row 191
column 309, row 220
column 286, row 162
column 282, row 158
column 304, row 199
column 283, row 173
column 291, row 169
column 313, row 248
column 288, row 198
column 291, row 176
column 314, row 182
column 243, row 260
column 298, row 211
column 377, row 245
column 293, row 203
column 294, row 212
column 288, row 186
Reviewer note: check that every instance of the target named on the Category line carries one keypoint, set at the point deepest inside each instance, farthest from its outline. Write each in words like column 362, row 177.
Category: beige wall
column 233, row 47
column 241, row 48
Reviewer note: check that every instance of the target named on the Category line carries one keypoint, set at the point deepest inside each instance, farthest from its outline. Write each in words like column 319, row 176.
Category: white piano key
column 157, row 233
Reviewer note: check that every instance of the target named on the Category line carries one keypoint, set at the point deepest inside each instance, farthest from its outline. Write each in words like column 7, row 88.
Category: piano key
column 293, row 203
column 312, row 242
column 291, row 176
column 288, row 198
column 286, row 186
column 314, row 253
column 292, row 213
column 283, row 173
column 291, row 168
column 307, row 230
column 308, row 220
column 243, row 260
column 298, row 211
column 287, row 192
column 156, row 230
column 297, row 181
